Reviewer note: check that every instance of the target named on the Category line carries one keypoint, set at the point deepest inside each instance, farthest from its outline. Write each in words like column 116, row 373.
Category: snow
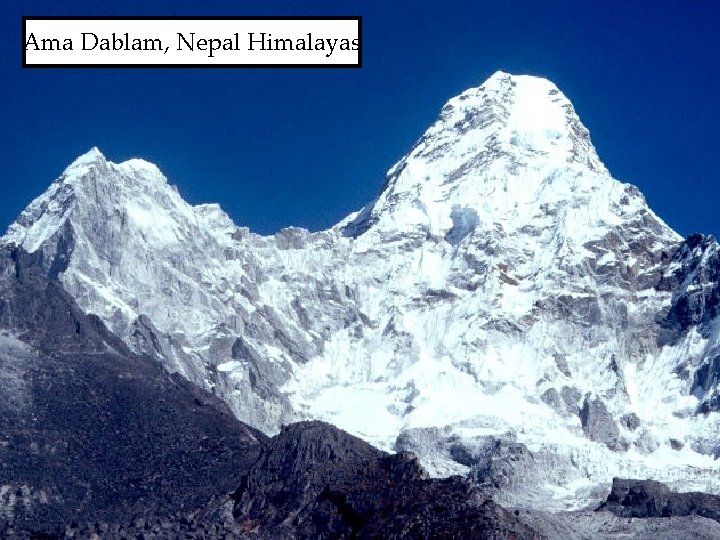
column 493, row 270
column 361, row 410
column 153, row 222
column 229, row 366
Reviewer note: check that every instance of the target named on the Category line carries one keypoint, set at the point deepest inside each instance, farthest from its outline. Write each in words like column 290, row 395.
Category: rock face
column 695, row 282
column 90, row 431
column 647, row 498
column 598, row 424
column 500, row 276
column 315, row 481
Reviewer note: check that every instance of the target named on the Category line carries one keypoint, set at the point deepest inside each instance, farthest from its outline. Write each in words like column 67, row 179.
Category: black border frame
column 357, row 18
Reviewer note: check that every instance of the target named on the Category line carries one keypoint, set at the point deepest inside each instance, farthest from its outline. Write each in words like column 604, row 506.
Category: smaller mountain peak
column 93, row 153
column 81, row 166
column 92, row 186
column 129, row 172
column 47, row 213
column 92, row 157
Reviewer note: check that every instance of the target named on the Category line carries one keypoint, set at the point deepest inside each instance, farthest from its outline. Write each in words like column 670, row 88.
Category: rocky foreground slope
column 89, row 430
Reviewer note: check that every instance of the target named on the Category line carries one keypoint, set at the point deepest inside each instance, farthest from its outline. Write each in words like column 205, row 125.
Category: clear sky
column 304, row 147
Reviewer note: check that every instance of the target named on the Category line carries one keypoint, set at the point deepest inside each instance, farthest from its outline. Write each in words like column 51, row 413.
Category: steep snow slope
column 504, row 308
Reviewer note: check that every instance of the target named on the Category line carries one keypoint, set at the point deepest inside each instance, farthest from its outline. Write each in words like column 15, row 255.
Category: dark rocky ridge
column 695, row 284
column 316, row 481
column 91, row 432
column 648, row 498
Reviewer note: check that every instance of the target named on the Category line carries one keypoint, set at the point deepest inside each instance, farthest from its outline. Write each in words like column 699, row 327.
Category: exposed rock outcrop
column 647, row 498
column 316, row 481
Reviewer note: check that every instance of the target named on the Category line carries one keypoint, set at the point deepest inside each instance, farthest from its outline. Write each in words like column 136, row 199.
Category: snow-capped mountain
column 505, row 308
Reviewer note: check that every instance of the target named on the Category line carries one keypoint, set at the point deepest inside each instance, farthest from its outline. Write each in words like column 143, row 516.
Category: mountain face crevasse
column 504, row 308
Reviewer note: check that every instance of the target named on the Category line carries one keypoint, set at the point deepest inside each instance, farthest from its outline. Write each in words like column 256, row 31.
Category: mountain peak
column 92, row 158
column 493, row 147
column 520, row 114
column 91, row 155
column 504, row 79
column 93, row 192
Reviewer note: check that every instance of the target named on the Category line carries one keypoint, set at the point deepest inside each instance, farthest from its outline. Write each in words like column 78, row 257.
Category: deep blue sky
column 279, row 147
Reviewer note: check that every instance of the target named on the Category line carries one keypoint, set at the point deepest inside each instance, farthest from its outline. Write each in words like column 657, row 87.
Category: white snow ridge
column 504, row 308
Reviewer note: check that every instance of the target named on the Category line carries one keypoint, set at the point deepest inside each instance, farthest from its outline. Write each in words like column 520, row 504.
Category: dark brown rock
column 316, row 481
column 647, row 498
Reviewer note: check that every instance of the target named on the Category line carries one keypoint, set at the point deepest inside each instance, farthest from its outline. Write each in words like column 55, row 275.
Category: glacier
column 505, row 308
